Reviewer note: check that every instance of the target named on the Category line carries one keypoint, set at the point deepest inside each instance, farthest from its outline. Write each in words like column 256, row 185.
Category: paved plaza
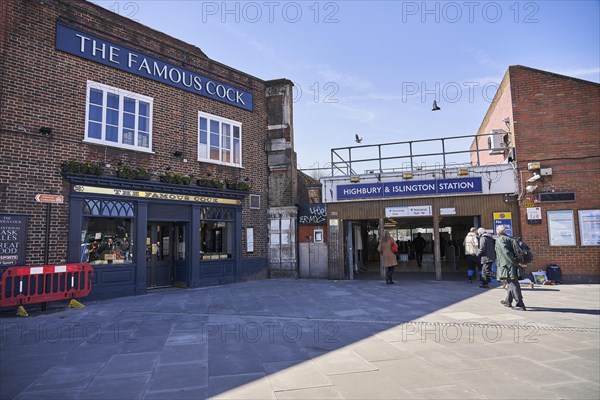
column 310, row 339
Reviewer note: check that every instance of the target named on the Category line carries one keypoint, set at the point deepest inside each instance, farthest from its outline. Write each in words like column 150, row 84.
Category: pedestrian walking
column 419, row 245
column 487, row 252
column 388, row 256
column 507, row 272
column 471, row 246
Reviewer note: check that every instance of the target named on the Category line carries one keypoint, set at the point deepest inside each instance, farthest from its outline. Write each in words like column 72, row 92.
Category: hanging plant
column 211, row 183
column 81, row 168
column 133, row 173
column 239, row 185
column 175, row 179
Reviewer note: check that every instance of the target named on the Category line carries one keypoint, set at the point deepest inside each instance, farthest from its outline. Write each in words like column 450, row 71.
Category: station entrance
column 363, row 237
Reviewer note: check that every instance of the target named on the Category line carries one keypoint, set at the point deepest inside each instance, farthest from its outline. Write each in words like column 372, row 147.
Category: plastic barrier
column 28, row 285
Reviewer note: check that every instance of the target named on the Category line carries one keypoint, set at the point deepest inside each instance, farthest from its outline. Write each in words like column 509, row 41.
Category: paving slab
column 309, row 339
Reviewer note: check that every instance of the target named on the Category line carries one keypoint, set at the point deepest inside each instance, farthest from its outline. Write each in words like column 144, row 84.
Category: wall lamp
column 531, row 188
column 462, row 172
column 178, row 153
column 354, row 179
column 46, row 131
column 534, row 178
column 407, row 175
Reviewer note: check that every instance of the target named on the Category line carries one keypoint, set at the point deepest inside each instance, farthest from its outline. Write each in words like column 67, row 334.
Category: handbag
column 394, row 247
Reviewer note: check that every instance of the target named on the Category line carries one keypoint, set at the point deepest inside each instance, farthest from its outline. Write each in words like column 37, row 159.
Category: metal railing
column 416, row 155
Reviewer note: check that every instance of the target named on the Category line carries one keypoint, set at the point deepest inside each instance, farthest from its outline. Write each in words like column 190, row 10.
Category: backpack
column 554, row 273
column 522, row 251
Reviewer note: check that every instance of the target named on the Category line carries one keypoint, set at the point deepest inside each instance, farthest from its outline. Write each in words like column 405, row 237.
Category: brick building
column 169, row 163
column 553, row 124
column 534, row 166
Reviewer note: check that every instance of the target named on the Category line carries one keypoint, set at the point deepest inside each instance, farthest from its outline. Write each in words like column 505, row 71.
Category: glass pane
column 143, row 124
column 180, row 242
column 112, row 133
column 128, row 137
column 203, row 124
column 226, row 140
column 143, row 140
column 129, row 121
column 112, row 117
column 95, row 113
column 107, row 241
column 236, row 151
column 214, row 126
column 129, row 105
column 94, row 130
column 236, row 131
column 214, row 153
column 226, row 156
column 96, row 96
column 112, row 101
column 203, row 137
column 214, row 140
column 144, row 109
column 202, row 151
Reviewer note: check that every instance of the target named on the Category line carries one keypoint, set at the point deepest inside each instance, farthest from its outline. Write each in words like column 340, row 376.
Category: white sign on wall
column 250, row 240
column 408, row 211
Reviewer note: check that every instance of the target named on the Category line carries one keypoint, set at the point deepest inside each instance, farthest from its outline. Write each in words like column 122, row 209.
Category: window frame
column 122, row 94
column 222, row 149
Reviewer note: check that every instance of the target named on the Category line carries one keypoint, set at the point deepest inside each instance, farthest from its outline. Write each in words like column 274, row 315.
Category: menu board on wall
column 13, row 239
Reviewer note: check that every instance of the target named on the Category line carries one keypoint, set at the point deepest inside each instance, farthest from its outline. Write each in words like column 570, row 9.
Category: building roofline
column 566, row 77
column 181, row 45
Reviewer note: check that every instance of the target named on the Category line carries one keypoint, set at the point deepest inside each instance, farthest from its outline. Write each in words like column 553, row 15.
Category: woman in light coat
column 388, row 256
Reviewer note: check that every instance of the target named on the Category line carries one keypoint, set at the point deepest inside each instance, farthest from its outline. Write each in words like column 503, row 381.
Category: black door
column 159, row 254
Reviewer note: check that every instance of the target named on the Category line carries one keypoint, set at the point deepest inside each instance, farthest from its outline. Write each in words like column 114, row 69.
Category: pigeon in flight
column 435, row 106
column 357, row 138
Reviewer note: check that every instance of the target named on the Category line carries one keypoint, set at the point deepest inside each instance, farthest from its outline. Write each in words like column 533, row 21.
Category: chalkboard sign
column 13, row 238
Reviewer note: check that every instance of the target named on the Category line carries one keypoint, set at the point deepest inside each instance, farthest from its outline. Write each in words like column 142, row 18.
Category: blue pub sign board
column 409, row 188
column 102, row 51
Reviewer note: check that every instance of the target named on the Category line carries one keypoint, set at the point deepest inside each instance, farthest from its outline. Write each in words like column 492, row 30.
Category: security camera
column 531, row 188
column 534, row 178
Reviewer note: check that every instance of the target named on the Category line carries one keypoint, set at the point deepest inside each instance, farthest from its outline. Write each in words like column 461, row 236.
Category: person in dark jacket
column 418, row 246
column 487, row 252
column 507, row 264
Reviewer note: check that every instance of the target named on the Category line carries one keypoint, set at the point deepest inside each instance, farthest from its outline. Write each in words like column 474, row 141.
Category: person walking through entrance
column 471, row 246
column 508, row 264
column 487, row 252
column 419, row 245
column 388, row 256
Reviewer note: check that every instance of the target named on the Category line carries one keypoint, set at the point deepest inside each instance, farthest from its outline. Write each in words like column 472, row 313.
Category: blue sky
column 373, row 68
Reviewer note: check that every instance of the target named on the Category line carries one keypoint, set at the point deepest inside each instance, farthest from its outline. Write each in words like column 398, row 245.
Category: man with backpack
column 487, row 252
column 508, row 263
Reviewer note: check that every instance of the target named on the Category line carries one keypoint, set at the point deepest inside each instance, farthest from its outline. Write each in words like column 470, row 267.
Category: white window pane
column 94, row 130
column 112, row 117
column 96, row 96
column 112, row 101
column 112, row 133
column 129, row 105
column 143, row 140
column 128, row 137
column 95, row 113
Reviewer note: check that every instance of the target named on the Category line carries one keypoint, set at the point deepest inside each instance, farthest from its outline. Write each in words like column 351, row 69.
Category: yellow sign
column 529, row 204
column 502, row 215
column 154, row 195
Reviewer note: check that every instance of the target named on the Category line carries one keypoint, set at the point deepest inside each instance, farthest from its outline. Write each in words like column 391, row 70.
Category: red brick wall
column 557, row 123
column 45, row 87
